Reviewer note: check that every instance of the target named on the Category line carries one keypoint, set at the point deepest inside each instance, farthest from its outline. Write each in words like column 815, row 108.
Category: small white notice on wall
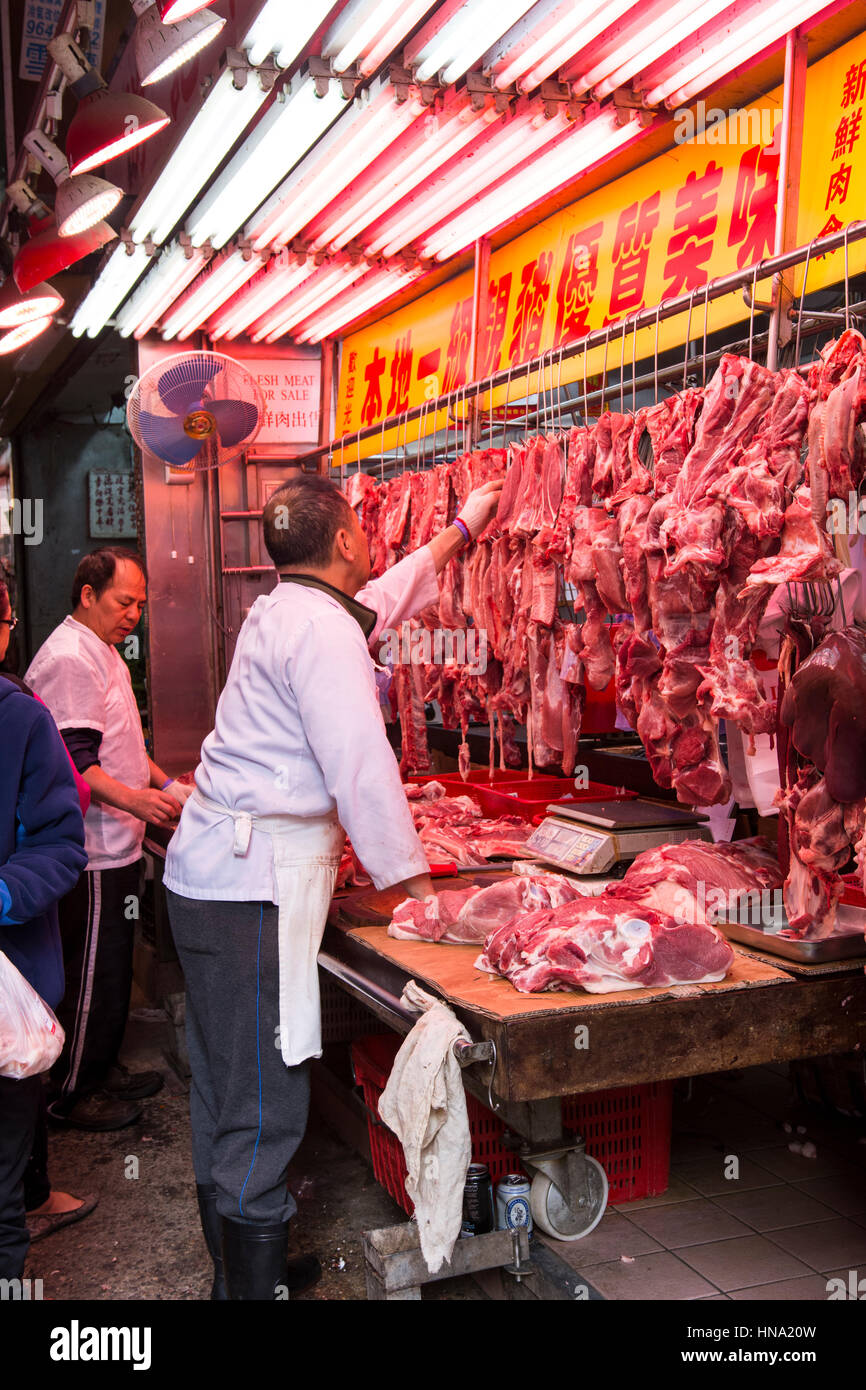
column 112, row 505
column 291, row 387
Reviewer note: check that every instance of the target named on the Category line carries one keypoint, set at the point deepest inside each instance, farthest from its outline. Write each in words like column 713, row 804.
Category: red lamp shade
column 16, row 338
column 49, row 253
column 107, row 124
column 170, row 11
column 40, row 301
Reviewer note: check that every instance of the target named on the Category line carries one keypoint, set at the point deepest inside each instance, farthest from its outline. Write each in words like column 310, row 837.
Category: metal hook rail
column 600, row 337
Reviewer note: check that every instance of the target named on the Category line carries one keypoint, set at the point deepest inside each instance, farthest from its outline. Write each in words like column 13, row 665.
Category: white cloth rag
column 425, row 1105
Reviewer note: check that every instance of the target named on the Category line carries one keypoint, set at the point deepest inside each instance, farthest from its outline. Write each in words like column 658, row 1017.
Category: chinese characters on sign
column 41, row 18
column 570, row 275
column 112, row 505
column 291, row 387
column 845, row 139
column 664, row 230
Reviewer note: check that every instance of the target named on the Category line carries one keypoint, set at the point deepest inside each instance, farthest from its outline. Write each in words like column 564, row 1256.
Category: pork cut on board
column 604, row 945
column 467, row 916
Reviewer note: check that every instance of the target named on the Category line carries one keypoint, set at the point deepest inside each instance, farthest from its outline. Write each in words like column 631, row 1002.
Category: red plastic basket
column 530, row 798
column 628, row 1130
column 599, row 712
column 477, row 776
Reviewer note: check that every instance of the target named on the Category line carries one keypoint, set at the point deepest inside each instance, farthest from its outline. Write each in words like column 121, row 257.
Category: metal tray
column 847, row 944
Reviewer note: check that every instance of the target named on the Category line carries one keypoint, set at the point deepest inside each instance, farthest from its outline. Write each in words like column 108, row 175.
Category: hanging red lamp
column 46, row 253
column 81, row 199
column 15, row 308
column 106, row 124
column 161, row 48
column 22, row 334
column 171, row 11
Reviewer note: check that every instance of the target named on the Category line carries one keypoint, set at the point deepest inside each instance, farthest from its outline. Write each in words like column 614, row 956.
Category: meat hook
column 602, row 402
column 422, row 438
column 622, row 372
column 688, row 337
column 847, row 310
column 633, row 366
column 656, row 358
column 706, row 323
column 559, row 386
column 841, row 594
column 802, row 301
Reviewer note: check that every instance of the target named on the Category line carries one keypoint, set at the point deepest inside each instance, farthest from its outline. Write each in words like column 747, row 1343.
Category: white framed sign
column 291, row 387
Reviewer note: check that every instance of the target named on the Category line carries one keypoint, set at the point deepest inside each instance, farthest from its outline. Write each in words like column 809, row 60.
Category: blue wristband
column 462, row 528
column 167, row 783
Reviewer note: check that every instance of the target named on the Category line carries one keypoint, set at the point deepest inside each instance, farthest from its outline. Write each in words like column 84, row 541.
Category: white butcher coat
column 86, row 685
column 298, row 755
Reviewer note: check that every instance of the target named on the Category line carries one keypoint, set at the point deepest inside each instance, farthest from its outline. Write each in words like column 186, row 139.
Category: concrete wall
column 53, row 462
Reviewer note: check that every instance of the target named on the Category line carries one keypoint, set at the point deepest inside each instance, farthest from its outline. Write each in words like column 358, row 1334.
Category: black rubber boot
column 256, row 1264
column 210, row 1224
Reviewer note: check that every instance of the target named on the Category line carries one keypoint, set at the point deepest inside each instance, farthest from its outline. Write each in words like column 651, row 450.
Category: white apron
column 306, row 852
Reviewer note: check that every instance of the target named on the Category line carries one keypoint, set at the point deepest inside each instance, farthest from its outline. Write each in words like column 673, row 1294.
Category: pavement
column 144, row 1240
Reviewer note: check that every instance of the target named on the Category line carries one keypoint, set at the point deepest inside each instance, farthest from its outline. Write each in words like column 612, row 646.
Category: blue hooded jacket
column 41, row 839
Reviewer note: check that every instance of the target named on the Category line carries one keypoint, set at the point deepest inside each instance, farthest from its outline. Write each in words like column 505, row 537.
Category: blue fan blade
column 181, row 387
column 165, row 438
column 234, row 420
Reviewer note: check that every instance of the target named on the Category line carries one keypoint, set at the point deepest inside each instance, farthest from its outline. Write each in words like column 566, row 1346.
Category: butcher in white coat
column 298, row 758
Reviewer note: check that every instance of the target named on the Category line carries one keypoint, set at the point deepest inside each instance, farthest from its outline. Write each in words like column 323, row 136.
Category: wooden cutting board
column 451, row 970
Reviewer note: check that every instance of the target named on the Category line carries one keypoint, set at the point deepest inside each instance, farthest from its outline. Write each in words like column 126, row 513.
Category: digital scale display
column 590, row 837
column 571, row 847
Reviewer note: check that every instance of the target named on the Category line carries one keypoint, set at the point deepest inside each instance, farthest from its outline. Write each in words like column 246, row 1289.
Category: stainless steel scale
column 597, row 837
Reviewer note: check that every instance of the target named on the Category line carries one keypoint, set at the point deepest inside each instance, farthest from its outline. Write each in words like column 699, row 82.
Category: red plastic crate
column 476, row 777
column 599, row 711
column 530, row 798
column 628, row 1130
column 853, row 895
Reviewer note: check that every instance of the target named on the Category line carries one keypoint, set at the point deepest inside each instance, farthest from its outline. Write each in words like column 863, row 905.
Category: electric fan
column 196, row 410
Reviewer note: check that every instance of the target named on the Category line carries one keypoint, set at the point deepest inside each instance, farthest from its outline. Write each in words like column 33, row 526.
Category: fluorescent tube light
column 224, row 115
column 281, row 138
column 175, row 269
column 117, row 277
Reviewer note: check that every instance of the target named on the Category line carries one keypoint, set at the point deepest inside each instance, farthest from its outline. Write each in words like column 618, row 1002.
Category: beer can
column 512, row 1203
column 477, row 1201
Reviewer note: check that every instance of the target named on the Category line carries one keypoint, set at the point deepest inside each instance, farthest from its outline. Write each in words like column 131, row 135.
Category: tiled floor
column 744, row 1216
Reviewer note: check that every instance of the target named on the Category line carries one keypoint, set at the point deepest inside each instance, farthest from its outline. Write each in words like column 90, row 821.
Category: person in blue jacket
column 41, row 858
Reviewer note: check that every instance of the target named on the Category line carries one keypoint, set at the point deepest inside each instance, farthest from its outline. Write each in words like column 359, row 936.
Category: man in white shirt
column 85, row 683
column 299, row 755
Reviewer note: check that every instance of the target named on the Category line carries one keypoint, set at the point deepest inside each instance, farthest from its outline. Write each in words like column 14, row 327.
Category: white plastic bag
column 30, row 1036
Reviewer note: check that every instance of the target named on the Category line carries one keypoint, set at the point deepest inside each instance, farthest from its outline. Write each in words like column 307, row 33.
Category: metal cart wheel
column 551, row 1213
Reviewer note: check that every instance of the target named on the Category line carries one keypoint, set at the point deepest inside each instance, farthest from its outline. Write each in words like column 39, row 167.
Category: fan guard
column 197, row 410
